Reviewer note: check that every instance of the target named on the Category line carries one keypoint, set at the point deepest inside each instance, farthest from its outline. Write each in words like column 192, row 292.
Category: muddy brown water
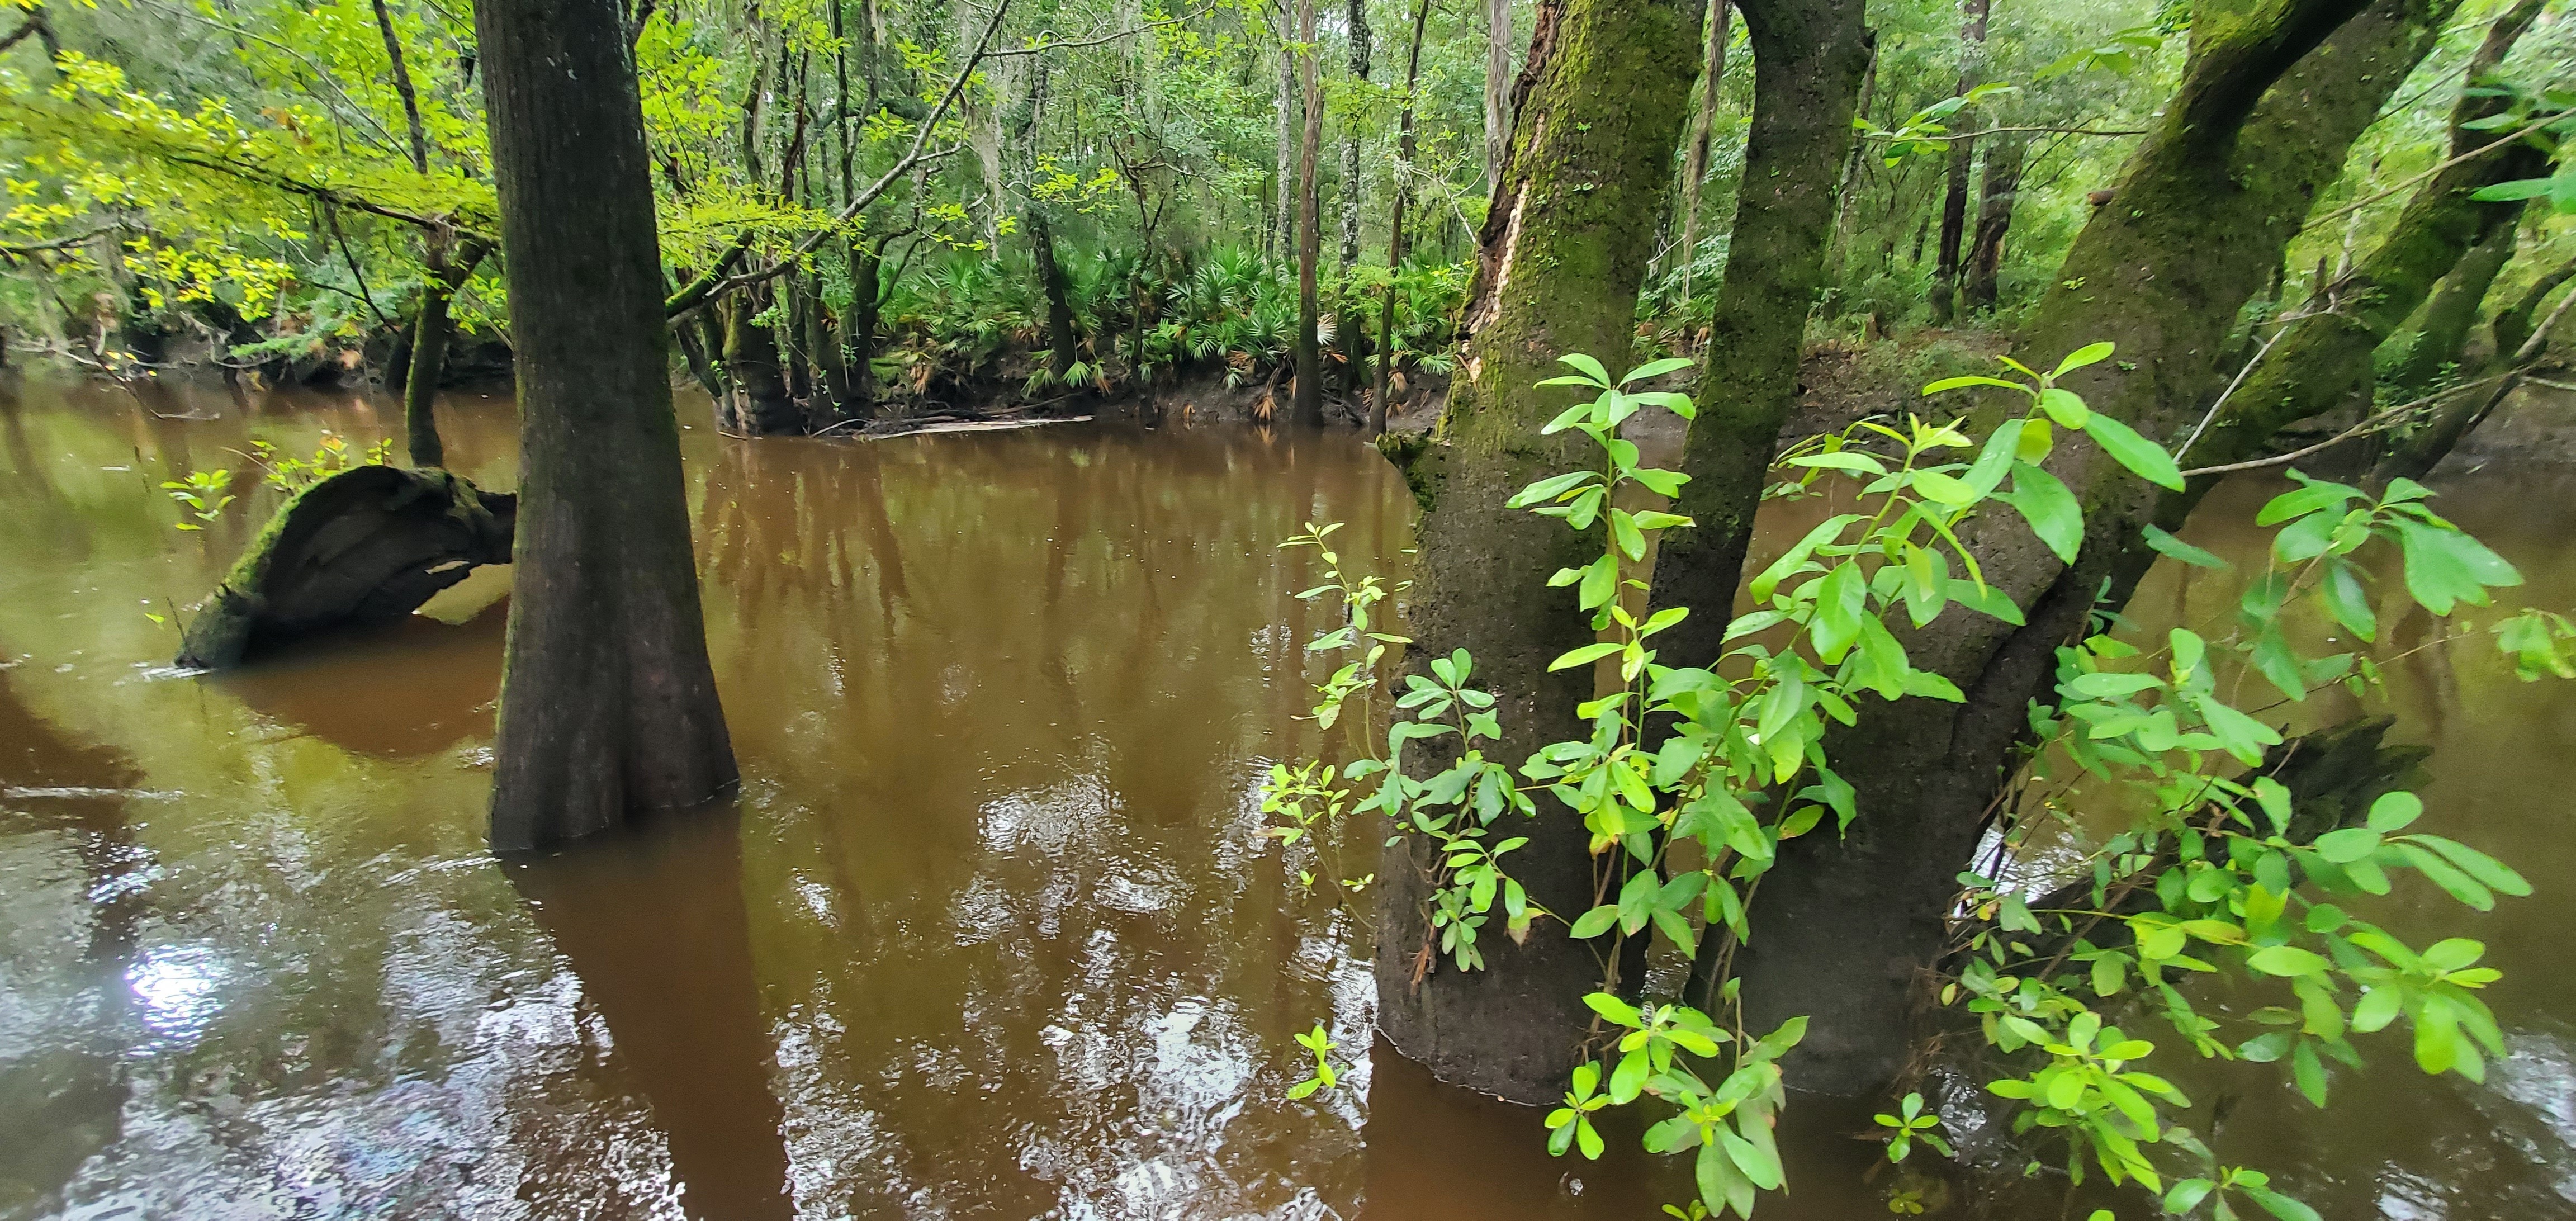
column 992, row 930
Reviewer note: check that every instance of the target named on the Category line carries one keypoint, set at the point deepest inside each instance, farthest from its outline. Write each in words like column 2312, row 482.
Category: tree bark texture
column 608, row 703
column 759, row 405
column 1809, row 59
column 1564, row 252
column 2199, row 220
column 1310, row 370
column 1285, row 223
column 1954, row 193
column 1998, row 191
column 858, row 336
column 368, row 545
column 2513, row 325
column 2324, row 361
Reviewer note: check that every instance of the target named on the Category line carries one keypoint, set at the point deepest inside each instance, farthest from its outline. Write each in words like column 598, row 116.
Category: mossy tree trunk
column 2457, row 304
column 2201, row 214
column 426, row 357
column 760, row 403
column 2513, row 324
column 1564, row 252
column 2323, row 361
column 1809, row 59
column 608, row 703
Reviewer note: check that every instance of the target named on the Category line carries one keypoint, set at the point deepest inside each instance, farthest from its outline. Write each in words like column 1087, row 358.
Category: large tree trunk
column 1310, row 371
column 760, row 404
column 1564, row 252
column 2000, row 190
column 1695, row 156
column 2199, row 221
column 1809, row 58
column 2513, row 324
column 608, row 704
column 1954, row 193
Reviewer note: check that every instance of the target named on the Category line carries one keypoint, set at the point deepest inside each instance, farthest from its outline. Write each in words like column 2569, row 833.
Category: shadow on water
column 407, row 689
column 652, row 924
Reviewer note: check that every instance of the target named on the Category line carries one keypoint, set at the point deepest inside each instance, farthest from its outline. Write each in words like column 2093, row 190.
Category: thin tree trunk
column 1838, row 247
column 1360, row 48
column 1809, row 58
column 1562, row 257
column 760, row 402
column 1283, row 229
column 1395, row 227
column 1063, row 343
column 1954, row 195
column 1498, row 83
column 1695, row 162
column 2000, row 189
column 859, row 332
column 1310, row 373
column 431, row 329
column 608, row 703
column 823, row 348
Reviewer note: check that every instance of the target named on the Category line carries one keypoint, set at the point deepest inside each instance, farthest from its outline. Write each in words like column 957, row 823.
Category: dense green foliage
column 278, row 184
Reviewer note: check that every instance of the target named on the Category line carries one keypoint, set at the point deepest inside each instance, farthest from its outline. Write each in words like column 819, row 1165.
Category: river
column 993, row 929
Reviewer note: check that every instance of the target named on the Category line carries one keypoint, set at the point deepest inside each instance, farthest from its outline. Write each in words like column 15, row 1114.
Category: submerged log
column 367, row 545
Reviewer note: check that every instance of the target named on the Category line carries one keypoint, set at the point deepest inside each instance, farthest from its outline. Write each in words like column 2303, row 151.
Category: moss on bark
column 2197, row 223
column 1564, row 251
column 1809, row 60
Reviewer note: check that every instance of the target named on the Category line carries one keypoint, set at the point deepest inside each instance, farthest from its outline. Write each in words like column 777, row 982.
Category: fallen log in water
column 367, row 545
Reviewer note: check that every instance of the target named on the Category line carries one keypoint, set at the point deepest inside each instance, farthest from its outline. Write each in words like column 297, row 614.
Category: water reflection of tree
column 652, row 924
column 989, row 857
column 64, row 1101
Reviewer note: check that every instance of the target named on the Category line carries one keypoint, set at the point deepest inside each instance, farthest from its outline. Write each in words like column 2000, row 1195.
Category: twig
column 2241, row 374
column 2480, row 151
column 1112, row 36
column 2371, row 424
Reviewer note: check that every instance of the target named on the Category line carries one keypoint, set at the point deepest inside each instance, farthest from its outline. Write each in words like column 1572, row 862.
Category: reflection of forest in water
column 991, row 931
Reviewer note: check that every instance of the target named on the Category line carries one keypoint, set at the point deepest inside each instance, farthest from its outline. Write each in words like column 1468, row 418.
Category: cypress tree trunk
column 1809, row 59
column 1954, row 195
column 1564, row 252
column 1283, row 229
column 1310, row 372
column 608, row 704
column 823, row 348
column 760, row 402
column 1999, row 191
column 1061, row 339
column 859, row 333
column 690, row 333
column 2202, row 212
